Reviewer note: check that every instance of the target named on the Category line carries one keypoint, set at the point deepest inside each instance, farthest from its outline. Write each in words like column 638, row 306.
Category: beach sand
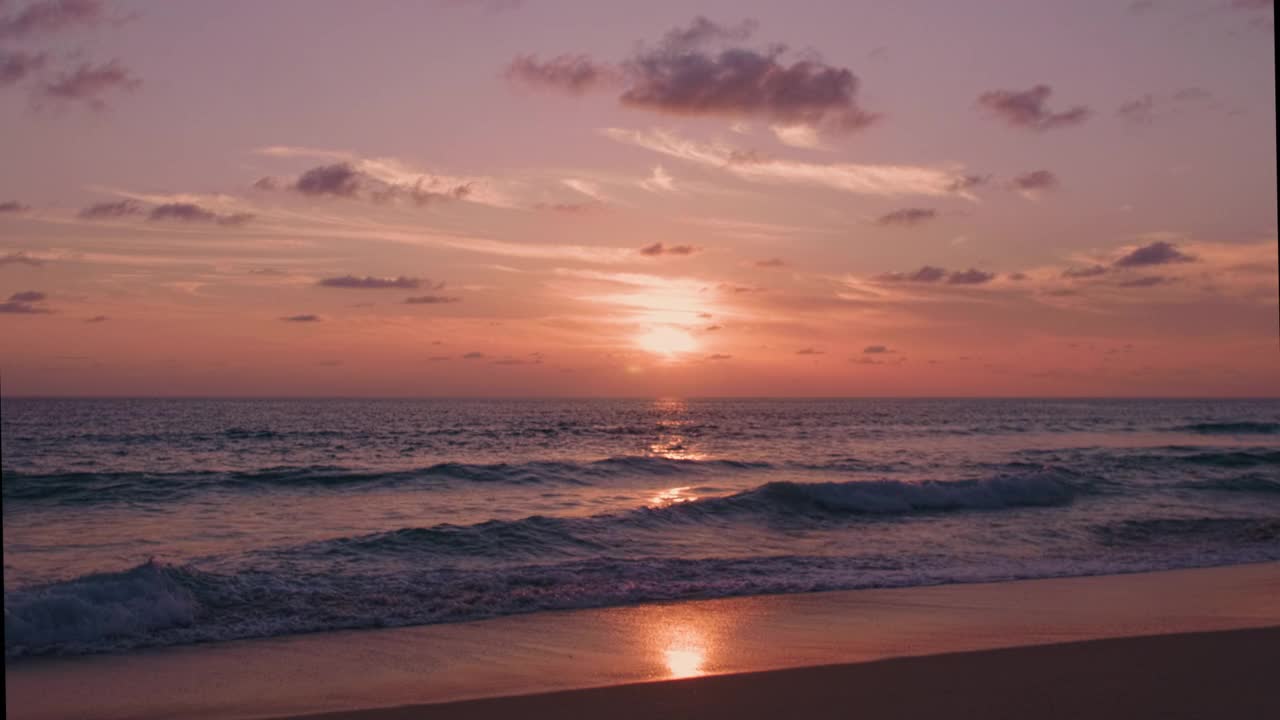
column 1226, row 674
column 1184, row 643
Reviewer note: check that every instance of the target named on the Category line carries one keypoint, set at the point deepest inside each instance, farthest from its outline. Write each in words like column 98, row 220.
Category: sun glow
column 667, row 341
column 684, row 662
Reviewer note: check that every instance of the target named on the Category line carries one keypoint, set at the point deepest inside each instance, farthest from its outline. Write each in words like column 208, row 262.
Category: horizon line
column 639, row 397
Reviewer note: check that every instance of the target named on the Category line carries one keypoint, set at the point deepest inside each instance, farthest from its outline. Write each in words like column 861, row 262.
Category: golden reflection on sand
column 684, row 651
column 684, row 640
column 683, row 663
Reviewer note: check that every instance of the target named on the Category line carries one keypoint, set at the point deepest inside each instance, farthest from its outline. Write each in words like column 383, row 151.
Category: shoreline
column 530, row 655
column 1090, row 678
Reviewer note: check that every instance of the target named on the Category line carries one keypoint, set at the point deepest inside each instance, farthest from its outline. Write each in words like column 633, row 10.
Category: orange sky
column 555, row 198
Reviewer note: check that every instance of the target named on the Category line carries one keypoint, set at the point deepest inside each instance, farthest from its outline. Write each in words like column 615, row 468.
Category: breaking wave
column 1233, row 428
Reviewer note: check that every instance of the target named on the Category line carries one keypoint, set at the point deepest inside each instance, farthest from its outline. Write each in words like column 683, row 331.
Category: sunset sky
column 507, row 197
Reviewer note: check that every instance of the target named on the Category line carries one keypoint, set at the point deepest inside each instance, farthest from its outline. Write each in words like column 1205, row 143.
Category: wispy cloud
column 586, row 187
column 645, row 298
column 659, row 180
column 882, row 180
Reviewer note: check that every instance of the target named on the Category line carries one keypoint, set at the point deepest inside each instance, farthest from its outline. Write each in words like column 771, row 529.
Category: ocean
column 142, row 523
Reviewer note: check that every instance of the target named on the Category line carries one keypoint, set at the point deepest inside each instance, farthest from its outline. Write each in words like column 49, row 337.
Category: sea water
column 142, row 523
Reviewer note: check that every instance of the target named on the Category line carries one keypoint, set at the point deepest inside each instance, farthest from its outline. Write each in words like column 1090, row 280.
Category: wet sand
column 1226, row 674
column 875, row 653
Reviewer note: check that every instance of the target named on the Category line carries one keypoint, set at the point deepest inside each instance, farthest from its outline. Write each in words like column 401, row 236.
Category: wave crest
column 895, row 497
column 103, row 487
column 1243, row 427
column 92, row 608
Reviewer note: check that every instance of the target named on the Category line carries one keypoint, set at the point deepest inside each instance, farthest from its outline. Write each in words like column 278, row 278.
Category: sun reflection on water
column 673, row 496
column 673, row 448
column 673, row 443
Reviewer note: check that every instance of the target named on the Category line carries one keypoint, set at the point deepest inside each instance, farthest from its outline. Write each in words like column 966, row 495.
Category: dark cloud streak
column 47, row 17
column 1027, row 109
column 573, row 74
column 88, row 84
column 1156, row 253
column 16, row 66
column 20, row 258
column 371, row 283
column 658, row 249
column 1087, row 272
column 22, row 303
column 681, row 77
column 931, row 274
column 188, row 212
column 907, row 216
column 109, row 210
column 1036, row 180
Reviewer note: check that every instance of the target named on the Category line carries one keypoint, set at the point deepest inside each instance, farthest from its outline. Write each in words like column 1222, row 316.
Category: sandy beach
column 1227, row 674
column 1170, row 644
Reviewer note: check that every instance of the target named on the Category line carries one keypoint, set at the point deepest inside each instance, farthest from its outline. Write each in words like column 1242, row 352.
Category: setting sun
column 667, row 341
